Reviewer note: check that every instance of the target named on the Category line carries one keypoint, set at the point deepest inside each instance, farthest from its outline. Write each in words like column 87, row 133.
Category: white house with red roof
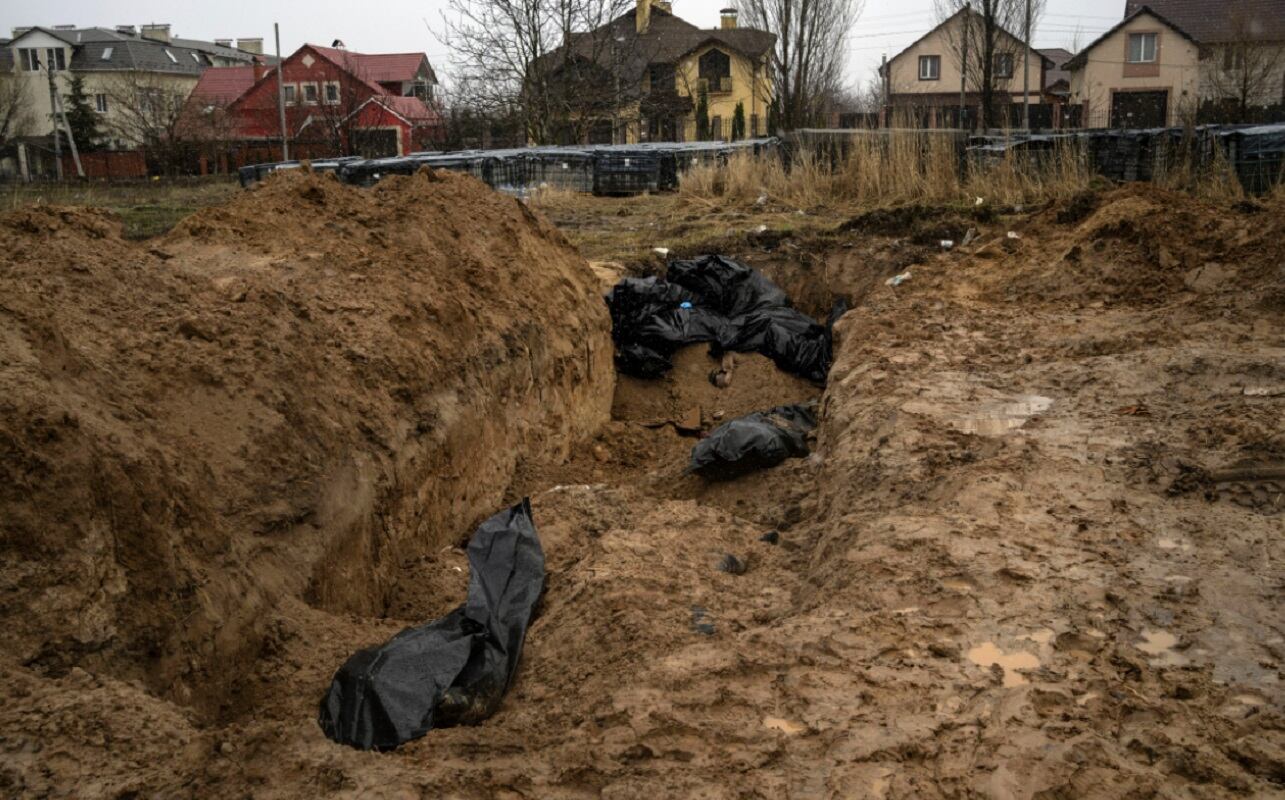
column 336, row 102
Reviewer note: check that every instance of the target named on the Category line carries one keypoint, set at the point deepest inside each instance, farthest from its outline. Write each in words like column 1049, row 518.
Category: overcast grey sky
column 885, row 26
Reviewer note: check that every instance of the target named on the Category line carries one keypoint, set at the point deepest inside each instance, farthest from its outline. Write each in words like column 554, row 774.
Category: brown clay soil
column 1034, row 554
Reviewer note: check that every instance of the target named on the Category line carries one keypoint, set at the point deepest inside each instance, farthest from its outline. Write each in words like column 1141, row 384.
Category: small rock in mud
column 701, row 623
column 771, row 537
column 731, row 565
column 944, row 650
column 600, row 453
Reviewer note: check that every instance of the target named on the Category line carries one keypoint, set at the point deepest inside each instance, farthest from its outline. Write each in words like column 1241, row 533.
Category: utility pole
column 71, row 137
column 963, row 64
column 281, row 96
column 884, row 112
column 1026, row 73
column 53, row 118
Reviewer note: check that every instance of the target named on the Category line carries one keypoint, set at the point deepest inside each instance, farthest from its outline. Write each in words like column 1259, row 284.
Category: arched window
column 716, row 71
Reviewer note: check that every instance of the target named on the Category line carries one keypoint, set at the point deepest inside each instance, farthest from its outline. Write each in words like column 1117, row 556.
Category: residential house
column 640, row 78
column 924, row 81
column 117, row 66
column 1173, row 61
column 1242, row 52
column 335, row 100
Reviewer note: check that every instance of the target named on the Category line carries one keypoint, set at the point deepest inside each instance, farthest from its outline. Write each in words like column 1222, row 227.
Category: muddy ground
column 1035, row 552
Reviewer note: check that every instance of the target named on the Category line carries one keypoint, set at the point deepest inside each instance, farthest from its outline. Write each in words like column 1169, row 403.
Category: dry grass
column 906, row 166
column 146, row 208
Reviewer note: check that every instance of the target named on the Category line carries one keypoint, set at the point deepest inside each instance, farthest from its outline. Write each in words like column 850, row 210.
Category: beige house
column 929, row 74
column 127, row 73
column 1173, row 61
column 1143, row 73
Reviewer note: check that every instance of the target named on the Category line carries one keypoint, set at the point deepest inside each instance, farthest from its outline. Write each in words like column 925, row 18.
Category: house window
column 929, row 68
column 716, row 127
column 290, row 92
column 660, row 78
column 100, row 103
column 310, row 94
column 56, row 58
column 332, row 93
column 754, row 125
column 1233, row 59
column 1142, row 48
column 196, row 57
column 30, row 61
column 107, row 54
column 1003, row 65
column 422, row 89
column 171, row 56
column 716, row 71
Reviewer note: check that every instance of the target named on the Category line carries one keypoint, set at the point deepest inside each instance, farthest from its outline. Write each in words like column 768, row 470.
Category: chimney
column 128, row 30
column 223, row 42
column 16, row 32
column 663, row 5
column 642, row 16
column 727, row 19
column 64, row 27
column 254, row 46
column 157, row 33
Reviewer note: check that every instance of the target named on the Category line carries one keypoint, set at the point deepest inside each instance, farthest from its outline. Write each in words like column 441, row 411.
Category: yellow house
column 654, row 68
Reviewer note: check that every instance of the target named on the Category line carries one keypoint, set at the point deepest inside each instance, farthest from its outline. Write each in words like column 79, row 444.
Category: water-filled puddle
column 996, row 419
column 985, row 655
column 1159, row 645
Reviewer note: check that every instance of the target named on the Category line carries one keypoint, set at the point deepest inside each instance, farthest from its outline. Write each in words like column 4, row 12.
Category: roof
column 1047, row 63
column 356, row 64
column 63, row 35
column 1083, row 56
column 391, row 67
column 141, row 55
column 411, row 110
column 1057, row 56
column 222, row 85
column 668, row 39
column 1214, row 21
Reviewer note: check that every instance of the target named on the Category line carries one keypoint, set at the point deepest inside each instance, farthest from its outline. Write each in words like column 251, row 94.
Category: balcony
column 721, row 85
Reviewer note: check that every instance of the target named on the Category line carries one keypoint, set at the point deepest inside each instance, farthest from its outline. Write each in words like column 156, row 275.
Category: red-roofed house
column 337, row 102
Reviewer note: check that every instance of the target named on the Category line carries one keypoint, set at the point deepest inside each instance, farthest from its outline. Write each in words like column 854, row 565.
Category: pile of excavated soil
column 287, row 400
column 1008, row 569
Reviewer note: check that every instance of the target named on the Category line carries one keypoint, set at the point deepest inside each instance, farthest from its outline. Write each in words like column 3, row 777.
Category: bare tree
column 16, row 114
column 152, row 111
column 987, row 43
column 557, row 60
column 1244, row 73
column 810, row 53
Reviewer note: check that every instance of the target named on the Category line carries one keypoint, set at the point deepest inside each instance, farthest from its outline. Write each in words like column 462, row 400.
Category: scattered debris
column 897, row 280
column 947, row 244
column 771, row 537
column 701, row 622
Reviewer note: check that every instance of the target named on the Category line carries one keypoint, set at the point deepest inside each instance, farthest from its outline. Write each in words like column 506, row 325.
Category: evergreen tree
column 81, row 117
column 738, row 122
column 702, row 116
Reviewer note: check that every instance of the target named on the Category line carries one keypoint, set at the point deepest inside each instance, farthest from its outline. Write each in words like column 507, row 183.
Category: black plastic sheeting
column 1255, row 152
column 717, row 300
column 753, row 442
column 452, row 671
column 603, row 169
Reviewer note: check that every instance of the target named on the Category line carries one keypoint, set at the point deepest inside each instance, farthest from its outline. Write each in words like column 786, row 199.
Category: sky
column 885, row 26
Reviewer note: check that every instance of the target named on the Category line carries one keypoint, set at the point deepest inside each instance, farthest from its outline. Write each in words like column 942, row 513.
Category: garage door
column 1140, row 109
column 375, row 143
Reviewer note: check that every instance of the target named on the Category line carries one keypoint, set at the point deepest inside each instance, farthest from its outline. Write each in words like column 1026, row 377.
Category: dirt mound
column 288, row 397
column 1136, row 245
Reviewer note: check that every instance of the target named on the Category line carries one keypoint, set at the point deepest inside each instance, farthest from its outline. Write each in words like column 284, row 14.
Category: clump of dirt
column 291, row 396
